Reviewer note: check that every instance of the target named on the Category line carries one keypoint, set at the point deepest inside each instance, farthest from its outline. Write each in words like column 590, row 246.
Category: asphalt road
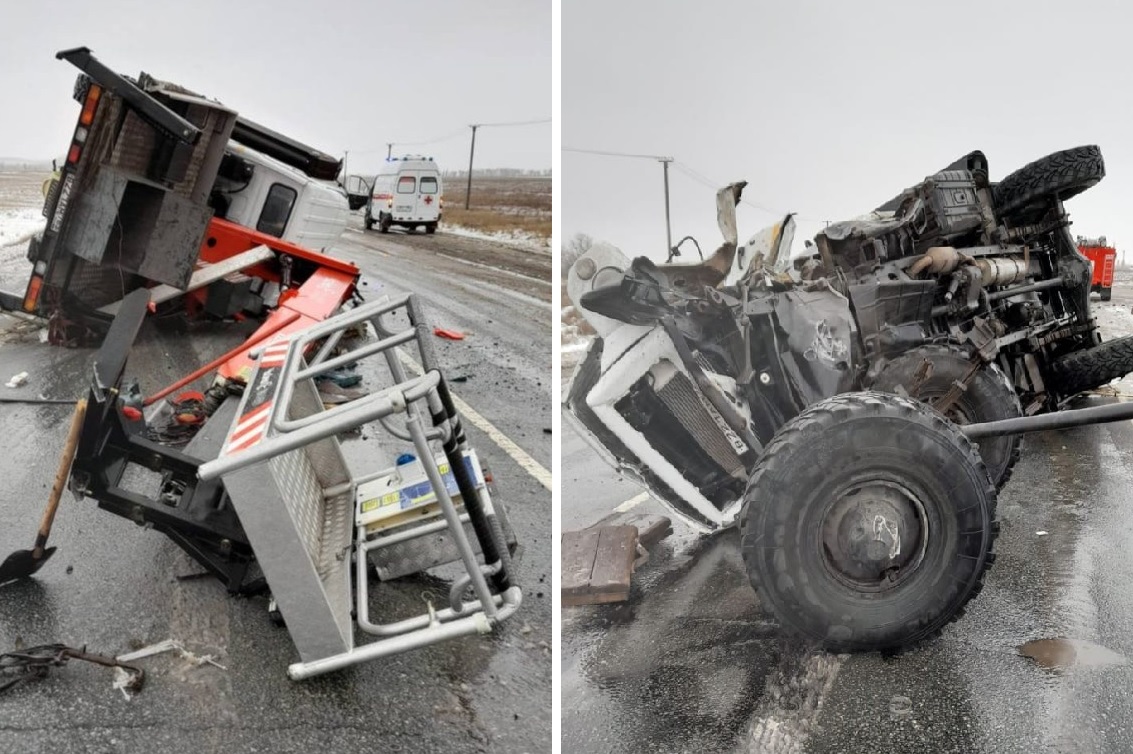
column 113, row 586
column 692, row 663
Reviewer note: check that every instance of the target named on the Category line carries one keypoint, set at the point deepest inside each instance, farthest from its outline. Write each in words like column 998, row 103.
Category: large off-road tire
column 988, row 397
column 1066, row 173
column 1092, row 367
column 867, row 523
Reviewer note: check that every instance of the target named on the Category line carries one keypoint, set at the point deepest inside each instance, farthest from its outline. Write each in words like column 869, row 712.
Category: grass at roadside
column 501, row 206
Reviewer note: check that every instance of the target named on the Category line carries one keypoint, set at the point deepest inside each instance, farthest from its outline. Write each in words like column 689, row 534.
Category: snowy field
column 519, row 238
column 21, row 204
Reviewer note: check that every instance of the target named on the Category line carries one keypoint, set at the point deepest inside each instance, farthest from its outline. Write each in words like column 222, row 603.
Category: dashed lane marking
column 506, row 444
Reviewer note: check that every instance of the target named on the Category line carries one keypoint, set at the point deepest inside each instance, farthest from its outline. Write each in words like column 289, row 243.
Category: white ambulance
column 406, row 192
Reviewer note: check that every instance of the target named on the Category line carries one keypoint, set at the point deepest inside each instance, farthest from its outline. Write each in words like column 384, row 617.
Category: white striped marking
column 506, row 444
column 633, row 502
column 250, row 429
column 275, row 354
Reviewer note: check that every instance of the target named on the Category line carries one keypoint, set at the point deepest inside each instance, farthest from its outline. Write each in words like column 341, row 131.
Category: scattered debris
column 344, row 377
column 331, row 393
column 460, row 378
column 441, row 332
column 18, row 380
column 1041, row 533
column 900, row 706
column 35, row 662
column 171, row 645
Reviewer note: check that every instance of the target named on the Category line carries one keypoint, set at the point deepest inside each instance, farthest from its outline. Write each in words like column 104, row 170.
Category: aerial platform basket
column 310, row 522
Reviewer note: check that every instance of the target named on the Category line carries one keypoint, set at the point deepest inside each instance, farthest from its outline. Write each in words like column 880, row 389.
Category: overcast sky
column 338, row 74
column 830, row 108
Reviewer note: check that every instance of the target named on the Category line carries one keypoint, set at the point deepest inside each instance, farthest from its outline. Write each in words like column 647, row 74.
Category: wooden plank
column 578, row 551
column 651, row 527
column 598, row 564
column 613, row 563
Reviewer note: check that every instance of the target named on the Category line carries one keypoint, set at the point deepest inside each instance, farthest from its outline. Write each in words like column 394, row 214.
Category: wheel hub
column 872, row 534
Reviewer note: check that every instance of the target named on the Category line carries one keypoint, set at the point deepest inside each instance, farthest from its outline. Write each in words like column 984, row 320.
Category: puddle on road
column 1060, row 653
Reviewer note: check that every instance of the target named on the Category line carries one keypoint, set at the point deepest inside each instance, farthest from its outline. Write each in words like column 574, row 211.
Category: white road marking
column 633, row 502
column 519, row 275
column 480, row 286
column 506, row 444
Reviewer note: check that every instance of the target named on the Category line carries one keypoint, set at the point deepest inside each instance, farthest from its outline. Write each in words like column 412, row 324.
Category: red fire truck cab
column 1103, row 257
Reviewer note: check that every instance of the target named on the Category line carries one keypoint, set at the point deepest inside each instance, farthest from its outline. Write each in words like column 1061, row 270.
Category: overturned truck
column 170, row 203
column 828, row 403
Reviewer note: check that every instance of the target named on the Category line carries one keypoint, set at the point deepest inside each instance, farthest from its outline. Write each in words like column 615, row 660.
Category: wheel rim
column 874, row 535
column 956, row 413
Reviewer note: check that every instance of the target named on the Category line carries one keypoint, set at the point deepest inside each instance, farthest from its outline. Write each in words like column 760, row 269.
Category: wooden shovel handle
column 61, row 474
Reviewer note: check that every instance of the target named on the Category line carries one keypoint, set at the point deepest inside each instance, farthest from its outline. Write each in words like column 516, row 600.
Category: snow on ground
column 18, row 225
column 512, row 238
column 1115, row 321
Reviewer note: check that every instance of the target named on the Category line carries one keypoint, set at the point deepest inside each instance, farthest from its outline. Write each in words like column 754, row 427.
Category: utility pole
column 471, row 152
column 345, row 156
column 389, row 150
column 668, row 225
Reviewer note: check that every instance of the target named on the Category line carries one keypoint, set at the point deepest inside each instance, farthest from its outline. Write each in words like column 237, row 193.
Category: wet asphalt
column 113, row 586
column 692, row 663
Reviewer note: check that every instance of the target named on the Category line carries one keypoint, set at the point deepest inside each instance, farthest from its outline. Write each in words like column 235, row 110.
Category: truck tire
column 384, row 223
column 1092, row 367
column 867, row 523
column 989, row 397
column 369, row 223
column 430, row 228
column 1066, row 173
column 1106, row 294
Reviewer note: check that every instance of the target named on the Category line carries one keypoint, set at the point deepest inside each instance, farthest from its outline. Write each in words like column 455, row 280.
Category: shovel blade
column 22, row 564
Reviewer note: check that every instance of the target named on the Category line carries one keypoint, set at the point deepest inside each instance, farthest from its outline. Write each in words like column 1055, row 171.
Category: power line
column 472, row 148
column 447, row 136
column 715, row 185
column 619, row 154
column 514, row 123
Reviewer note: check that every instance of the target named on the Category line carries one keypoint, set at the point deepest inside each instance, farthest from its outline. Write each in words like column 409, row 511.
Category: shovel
column 23, row 563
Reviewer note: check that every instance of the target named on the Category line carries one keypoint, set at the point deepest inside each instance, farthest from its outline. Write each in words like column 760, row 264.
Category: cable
column 618, row 154
column 715, row 185
column 451, row 135
column 511, row 123
column 446, row 137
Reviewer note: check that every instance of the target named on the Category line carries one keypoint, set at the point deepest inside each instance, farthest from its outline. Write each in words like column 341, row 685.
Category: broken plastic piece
column 18, row 380
column 441, row 332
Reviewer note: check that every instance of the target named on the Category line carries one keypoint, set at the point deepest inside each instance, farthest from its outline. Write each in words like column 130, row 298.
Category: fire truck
column 1103, row 259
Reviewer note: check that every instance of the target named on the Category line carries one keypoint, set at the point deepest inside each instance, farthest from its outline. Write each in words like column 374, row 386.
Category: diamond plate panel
column 295, row 477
